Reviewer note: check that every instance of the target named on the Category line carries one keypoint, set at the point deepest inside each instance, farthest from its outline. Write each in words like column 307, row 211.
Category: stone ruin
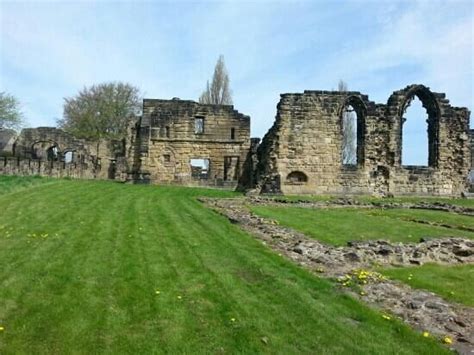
column 302, row 152
column 49, row 151
column 187, row 143
column 174, row 141
column 183, row 142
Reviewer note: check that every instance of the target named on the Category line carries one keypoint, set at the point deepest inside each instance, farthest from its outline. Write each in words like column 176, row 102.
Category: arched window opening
column 53, row 153
column 353, row 131
column 296, row 177
column 349, row 136
column 415, row 134
column 45, row 150
column 419, row 128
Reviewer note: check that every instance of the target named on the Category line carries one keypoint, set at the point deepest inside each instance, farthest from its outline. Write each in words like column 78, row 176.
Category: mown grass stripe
column 91, row 289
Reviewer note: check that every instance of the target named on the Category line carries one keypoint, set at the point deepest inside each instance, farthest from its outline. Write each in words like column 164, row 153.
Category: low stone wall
column 28, row 167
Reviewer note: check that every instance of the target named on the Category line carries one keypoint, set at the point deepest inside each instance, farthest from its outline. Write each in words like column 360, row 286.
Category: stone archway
column 400, row 101
column 45, row 150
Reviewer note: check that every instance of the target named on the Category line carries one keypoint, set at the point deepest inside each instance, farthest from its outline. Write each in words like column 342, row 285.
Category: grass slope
column 81, row 261
column 455, row 283
column 338, row 226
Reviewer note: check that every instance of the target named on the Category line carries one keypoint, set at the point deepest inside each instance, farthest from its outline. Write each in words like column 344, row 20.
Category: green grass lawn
column 463, row 202
column 81, row 261
column 14, row 183
column 447, row 218
column 339, row 225
column 454, row 283
column 369, row 199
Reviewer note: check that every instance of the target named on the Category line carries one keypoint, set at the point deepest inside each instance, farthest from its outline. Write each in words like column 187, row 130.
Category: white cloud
column 425, row 37
column 51, row 50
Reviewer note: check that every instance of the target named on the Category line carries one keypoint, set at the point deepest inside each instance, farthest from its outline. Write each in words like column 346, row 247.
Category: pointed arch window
column 353, row 132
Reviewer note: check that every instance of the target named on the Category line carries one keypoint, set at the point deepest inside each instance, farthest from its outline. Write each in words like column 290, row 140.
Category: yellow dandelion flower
column 232, row 319
column 179, row 297
column 2, row 329
column 157, row 292
column 426, row 334
column 384, row 316
column 447, row 340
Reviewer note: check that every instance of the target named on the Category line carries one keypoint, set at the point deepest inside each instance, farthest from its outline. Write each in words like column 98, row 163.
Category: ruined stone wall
column 471, row 136
column 247, row 177
column 58, row 169
column 448, row 145
column 49, row 151
column 302, row 152
column 169, row 138
column 7, row 140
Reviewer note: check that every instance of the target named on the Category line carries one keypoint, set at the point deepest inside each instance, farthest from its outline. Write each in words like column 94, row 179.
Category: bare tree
column 101, row 111
column 349, row 131
column 11, row 116
column 218, row 93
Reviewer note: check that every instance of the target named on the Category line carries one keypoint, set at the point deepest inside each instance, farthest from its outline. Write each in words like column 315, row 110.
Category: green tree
column 218, row 92
column 101, row 111
column 11, row 116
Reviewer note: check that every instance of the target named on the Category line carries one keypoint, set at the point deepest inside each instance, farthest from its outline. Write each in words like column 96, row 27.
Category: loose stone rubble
column 423, row 310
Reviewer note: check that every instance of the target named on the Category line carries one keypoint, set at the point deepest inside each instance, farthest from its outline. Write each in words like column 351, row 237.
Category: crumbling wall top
column 7, row 138
column 188, row 107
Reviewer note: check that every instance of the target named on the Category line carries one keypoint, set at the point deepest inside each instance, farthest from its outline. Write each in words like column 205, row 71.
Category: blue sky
column 50, row 50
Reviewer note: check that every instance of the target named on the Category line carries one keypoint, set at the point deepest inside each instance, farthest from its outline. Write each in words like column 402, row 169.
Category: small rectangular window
column 199, row 125
column 167, row 131
column 166, row 158
column 232, row 133
column 200, row 168
column 68, row 157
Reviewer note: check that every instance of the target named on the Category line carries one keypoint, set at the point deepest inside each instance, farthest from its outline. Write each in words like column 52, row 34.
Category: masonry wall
column 7, row 140
column 49, row 151
column 168, row 141
column 29, row 167
column 302, row 152
column 471, row 136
